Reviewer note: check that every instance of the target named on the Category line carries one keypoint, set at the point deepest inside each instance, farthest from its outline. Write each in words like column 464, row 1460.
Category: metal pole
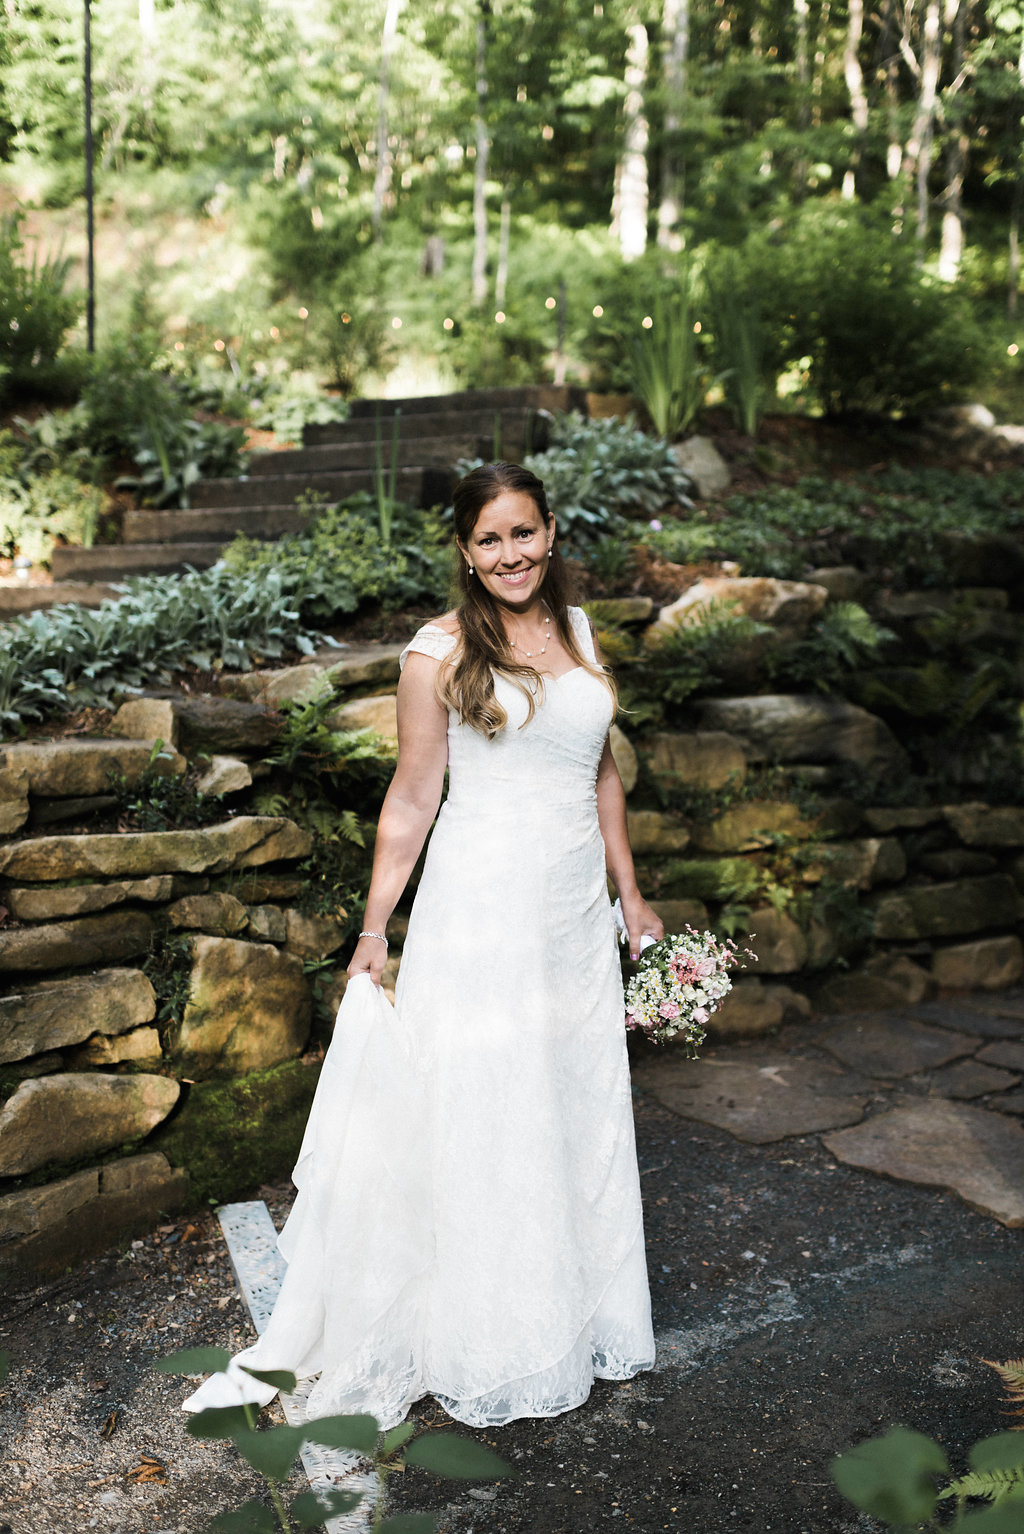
column 90, row 304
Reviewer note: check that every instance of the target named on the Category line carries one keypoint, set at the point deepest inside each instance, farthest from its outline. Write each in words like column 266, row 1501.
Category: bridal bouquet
column 678, row 983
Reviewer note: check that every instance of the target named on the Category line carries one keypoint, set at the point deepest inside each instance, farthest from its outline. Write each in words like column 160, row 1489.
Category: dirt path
column 800, row 1305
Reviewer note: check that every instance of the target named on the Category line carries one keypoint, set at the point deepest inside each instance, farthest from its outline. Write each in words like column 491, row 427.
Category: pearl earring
column 549, row 553
column 471, row 569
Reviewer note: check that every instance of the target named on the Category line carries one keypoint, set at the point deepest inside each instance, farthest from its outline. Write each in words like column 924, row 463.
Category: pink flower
column 705, row 969
column 701, row 1015
column 668, row 1009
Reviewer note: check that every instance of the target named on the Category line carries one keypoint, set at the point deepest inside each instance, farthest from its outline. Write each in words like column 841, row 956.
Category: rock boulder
column 247, row 842
column 73, row 944
column 249, row 1007
column 52, row 1014
column 785, row 727
column 74, row 1114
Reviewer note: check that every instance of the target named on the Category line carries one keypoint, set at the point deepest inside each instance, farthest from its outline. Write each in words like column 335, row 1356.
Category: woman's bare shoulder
column 449, row 622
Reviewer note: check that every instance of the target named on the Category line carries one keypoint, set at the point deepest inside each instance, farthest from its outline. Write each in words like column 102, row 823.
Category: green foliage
column 340, row 561
column 693, row 657
column 844, row 638
column 849, row 302
column 287, row 411
column 41, row 504
column 668, row 373
column 893, row 1479
column 70, row 656
column 173, row 452
column 168, row 966
column 36, row 312
column 896, row 524
column 273, row 1451
column 233, row 1134
column 599, row 473
column 739, row 341
column 158, row 801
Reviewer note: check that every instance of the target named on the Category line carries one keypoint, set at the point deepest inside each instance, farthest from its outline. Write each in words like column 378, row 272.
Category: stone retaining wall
column 106, row 1106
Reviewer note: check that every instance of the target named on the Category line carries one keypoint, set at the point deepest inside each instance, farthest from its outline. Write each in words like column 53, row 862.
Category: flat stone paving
column 892, row 1084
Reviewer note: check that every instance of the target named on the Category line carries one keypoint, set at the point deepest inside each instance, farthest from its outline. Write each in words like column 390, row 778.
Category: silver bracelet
column 379, row 935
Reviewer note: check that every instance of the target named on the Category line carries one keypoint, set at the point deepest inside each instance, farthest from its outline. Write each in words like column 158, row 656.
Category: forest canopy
column 501, row 183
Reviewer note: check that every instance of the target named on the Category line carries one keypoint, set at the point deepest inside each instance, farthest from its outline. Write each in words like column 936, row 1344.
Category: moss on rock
column 233, row 1135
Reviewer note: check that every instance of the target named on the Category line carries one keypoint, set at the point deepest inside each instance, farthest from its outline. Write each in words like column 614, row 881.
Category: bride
column 468, row 1219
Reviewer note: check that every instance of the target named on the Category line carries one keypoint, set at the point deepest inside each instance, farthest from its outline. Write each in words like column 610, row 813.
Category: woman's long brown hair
column 466, row 682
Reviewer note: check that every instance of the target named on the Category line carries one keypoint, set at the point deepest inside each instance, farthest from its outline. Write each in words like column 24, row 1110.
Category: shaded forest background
column 445, row 192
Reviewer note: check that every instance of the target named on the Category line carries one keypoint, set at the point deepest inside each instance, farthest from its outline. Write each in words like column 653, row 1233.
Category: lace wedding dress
column 468, row 1218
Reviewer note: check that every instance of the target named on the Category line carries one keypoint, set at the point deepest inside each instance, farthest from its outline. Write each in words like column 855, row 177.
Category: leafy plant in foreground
column 893, row 1479
column 668, row 372
column 273, row 1451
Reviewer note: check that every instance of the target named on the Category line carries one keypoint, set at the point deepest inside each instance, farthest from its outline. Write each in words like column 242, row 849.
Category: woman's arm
column 611, row 815
column 409, row 807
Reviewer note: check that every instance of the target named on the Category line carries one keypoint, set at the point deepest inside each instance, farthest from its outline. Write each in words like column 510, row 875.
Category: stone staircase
column 335, row 461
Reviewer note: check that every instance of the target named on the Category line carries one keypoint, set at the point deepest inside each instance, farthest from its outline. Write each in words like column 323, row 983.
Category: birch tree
column 629, row 218
column 676, row 29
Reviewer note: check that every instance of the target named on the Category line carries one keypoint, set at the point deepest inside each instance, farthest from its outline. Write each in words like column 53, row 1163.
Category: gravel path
column 800, row 1304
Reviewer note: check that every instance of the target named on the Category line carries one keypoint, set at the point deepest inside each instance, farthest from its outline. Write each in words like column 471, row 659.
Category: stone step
column 525, row 397
column 204, row 524
column 118, row 561
column 468, row 427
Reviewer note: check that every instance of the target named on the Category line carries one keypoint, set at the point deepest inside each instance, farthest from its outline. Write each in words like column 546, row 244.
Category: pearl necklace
column 547, row 637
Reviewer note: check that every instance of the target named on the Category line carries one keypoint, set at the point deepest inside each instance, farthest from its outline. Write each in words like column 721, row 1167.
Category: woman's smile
column 508, row 549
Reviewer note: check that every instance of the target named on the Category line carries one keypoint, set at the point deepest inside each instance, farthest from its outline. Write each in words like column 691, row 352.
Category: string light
column 696, row 327
column 449, row 324
column 179, row 346
column 598, row 311
column 647, row 322
column 274, row 333
column 346, row 319
column 1013, row 349
column 396, row 323
column 303, row 314
column 218, row 346
column 499, row 318
column 549, row 303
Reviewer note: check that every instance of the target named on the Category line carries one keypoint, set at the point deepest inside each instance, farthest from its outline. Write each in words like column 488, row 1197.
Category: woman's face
column 509, row 548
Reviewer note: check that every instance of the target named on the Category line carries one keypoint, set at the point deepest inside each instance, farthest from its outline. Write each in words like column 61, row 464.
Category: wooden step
column 204, row 524
column 437, row 450
column 118, row 561
column 470, row 432
column 286, row 489
column 526, row 397
column 18, row 597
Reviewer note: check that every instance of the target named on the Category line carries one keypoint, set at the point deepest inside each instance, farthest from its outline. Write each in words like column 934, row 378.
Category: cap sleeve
column 430, row 640
column 583, row 632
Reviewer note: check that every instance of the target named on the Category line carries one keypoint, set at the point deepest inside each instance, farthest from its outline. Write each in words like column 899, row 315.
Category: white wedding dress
column 468, row 1219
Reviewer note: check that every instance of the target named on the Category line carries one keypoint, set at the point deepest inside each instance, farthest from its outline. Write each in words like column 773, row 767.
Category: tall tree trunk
column 858, row 95
column 918, row 159
column 480, row 169
column 504, row 241
column 820, row 57
column 802, row 11
column 632, row 181
column 952, row 244
column 1013, row 262
column 894, row 145
column 382, row 178
column 676, row 27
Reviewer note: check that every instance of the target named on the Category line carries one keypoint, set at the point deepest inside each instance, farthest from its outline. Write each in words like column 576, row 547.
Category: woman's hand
column 640, row 921
column 370, row 957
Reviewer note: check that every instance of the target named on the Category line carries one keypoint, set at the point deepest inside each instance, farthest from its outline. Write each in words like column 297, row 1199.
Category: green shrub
column 844, row 297
column 597, row 474
column 38, row 508
column 36, row 313
column 668, row 371
column 340, row 562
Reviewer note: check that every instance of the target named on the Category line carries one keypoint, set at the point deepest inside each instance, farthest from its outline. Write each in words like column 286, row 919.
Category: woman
column 468, row 1222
